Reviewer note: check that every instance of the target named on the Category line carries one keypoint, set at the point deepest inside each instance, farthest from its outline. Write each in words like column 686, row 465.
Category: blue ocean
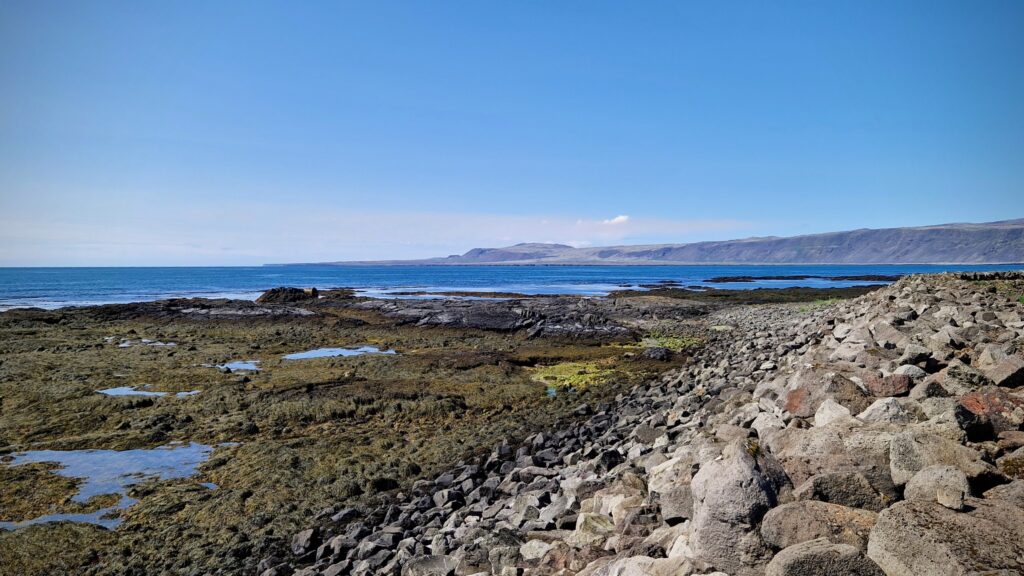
column 60, row 287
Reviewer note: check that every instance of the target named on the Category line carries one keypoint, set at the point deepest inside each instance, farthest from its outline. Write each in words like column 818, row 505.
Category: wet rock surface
column 863, row 437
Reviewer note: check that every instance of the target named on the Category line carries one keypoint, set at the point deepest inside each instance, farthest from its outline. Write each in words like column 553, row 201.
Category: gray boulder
column 1007, row 372
column 837, row 448
column 886, row 410
column 1012, row 493
column 846, row 488
column 805, row 520
column 916, row 537
column 730, row 496
column 939, row 483
column 305, row 541
column 807, row 390
column 913, row 451
column 822, row 558
column 830, row 411
column 430, row 566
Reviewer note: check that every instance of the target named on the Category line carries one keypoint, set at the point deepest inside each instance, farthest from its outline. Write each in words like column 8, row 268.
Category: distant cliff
column 988, row 243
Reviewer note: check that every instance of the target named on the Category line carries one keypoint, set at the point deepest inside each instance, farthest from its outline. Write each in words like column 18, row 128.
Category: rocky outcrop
column 287, row 295
column 870, row 437
column 554, row 316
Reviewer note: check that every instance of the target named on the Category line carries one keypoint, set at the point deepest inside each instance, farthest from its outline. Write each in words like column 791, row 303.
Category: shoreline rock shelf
column 876, row 436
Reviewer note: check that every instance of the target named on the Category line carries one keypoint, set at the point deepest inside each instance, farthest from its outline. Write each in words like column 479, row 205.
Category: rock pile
column 879, row 436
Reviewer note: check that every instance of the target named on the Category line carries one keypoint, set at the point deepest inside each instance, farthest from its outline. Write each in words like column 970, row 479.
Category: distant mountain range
column 988, row 243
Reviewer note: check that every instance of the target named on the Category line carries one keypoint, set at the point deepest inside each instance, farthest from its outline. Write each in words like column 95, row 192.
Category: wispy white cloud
column 620, row 219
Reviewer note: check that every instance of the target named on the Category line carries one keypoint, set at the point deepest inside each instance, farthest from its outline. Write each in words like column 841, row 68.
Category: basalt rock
column 287, row 295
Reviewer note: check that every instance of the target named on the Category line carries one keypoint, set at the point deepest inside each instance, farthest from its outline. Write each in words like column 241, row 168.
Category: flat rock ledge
column 876, row 436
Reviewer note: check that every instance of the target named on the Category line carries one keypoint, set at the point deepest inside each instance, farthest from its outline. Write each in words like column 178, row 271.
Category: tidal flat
column 294, row 437
column 304, row 434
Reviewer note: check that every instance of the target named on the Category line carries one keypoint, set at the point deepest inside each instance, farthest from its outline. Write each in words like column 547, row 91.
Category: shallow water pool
column 133, row 391
column 112, row 472
column 333, row 352
column 241, row 365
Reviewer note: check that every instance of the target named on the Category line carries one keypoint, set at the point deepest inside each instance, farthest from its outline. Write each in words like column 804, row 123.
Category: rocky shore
column 876, row 436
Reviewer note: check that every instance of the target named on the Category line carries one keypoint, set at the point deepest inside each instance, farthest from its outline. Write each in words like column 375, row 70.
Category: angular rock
column 911, row 371
column 915, row 354
column 1012, row 493
column 591, row 529
column 928, row 389
column 643, row 566
column 1012, row 464
column 1008, row 372
column 305, row 541
column 961, row 379
column 913, row 451
column 837, row 448
column 829, row 411
column 916, row 537
column 430, row 566
column 845, row 488
column 997, row 408
column 939, row 483
column 891, row 385
column 808, row 390
column 822, row 558
column 804, row 520
column 730, row 495
column 534, row 550
column 677, row 505
column 886, row 410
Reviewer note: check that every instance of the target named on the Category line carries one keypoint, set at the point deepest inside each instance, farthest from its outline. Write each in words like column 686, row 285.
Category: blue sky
column 247, row 132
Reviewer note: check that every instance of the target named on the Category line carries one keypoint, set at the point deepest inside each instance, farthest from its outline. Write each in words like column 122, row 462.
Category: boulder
column 591, row 529
column 961, row 379
column 430, row 566
column 807, row 390
column 822, row 558
column 916, row 537
column 939, row 483
column 891, row 385
column 767, row 423
column 997, row 409
column 305, row 541
column 839, row 448
column 730, row 495
column 928, row 388
column 670, row 474
column 846, row 488
column 829, row 411
column 915, row 354
column 1007, row 372
column 988, row 357
column 913, row 451
column 913, row 372
column 677, row 505
column 804, row 520
column 534, row 550
column 1012, row 464
column 886, row 410
column 1012, row 493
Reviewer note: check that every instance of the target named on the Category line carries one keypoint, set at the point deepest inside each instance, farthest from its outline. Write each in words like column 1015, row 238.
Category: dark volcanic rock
column 287, row 295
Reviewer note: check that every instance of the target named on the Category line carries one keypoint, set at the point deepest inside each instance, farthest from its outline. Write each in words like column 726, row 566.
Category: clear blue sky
column 249, row 132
